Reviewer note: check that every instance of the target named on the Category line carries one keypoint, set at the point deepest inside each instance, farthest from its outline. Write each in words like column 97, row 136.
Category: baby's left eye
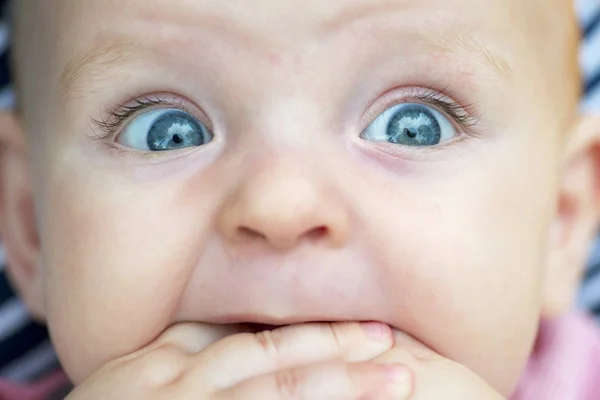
column 164, row 129
column 415, row 125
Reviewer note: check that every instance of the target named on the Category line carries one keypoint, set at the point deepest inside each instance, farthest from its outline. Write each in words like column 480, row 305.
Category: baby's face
column 279, row 162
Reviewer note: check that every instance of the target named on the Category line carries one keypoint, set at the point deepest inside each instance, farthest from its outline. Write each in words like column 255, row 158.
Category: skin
column 288, row 216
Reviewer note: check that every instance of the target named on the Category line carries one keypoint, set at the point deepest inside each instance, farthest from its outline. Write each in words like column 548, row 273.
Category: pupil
column 410, row 133
column 177, row 139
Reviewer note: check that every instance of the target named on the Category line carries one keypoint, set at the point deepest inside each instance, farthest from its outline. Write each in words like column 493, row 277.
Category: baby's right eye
column 163, row 130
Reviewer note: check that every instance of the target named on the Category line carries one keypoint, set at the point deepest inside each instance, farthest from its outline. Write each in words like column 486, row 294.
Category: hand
column 435, row 377
column 309, row 362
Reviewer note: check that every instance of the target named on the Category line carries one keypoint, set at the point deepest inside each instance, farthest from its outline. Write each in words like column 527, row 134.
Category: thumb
column 436, row 377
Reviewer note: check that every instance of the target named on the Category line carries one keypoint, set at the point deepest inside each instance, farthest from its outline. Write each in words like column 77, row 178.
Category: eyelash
column 120, row 114
column 465, row 116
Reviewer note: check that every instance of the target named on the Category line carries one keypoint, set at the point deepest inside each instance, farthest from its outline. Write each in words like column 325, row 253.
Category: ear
column 17, row 220
column 577, row 218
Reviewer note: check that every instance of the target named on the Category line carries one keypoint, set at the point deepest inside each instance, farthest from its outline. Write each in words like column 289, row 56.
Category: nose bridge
column 275, row 187
column 281, row 201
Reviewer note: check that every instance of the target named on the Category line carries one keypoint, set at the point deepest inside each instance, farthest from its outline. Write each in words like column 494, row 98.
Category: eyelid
column 464, row 118
column 115, row 119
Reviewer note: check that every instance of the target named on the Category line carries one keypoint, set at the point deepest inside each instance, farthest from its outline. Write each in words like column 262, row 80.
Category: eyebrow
column 91, row 64
column 106, row 52
column 459, row 40
column 472, row 46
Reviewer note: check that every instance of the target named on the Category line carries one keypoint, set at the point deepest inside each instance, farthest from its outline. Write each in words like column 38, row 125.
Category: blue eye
column 413, row 125
column 163, row 130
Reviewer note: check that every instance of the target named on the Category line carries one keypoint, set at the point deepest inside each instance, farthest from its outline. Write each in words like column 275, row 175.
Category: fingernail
column 400, row 379
column 377, row 331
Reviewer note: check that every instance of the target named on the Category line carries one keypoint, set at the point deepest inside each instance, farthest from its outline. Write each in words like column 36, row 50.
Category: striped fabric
column 589, row 11
column 25, row 350
column 590, row 52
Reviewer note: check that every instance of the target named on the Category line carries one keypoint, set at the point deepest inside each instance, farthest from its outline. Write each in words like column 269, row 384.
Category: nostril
column 317, row 233
column 248, row 233
column 283, row 237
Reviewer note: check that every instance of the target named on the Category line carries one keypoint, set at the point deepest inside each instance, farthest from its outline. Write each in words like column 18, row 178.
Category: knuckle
column 335, row 331
column 269, row 341
column 288, row 383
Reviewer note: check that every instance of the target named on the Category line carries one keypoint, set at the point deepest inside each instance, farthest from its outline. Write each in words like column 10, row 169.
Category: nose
column 282, row 207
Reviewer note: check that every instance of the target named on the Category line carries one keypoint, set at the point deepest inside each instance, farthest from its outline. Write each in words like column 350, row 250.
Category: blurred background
column 589, row 11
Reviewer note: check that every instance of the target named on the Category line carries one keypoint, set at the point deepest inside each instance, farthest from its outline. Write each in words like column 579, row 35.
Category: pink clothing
column 565, row 365
column 42, row 390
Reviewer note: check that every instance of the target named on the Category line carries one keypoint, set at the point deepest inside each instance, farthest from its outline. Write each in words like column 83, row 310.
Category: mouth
column 250, row 327
column 256, row 323
column 255, row 327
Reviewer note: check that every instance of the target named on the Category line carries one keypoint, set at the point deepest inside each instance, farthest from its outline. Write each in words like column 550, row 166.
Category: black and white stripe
column 590, row 67
column 590, row 52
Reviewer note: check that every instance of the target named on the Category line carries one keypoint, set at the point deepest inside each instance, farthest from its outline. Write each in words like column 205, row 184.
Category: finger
column 326, row 381
column 187, row 338
column 436, row 377
column 414, row 347
column 193, row 337
column 408, row 351
column 239, row 357
column 167, row 358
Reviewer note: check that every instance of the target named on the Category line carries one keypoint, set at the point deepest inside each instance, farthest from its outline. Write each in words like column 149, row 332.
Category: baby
column 303, row 199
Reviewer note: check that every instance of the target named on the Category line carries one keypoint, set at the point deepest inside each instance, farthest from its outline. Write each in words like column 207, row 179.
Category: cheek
column 101, row 240
column 464, row 253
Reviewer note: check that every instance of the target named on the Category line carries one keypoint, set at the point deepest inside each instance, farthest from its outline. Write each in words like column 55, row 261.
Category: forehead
column 257, row 12
column 497, row 39
column 493, row 30
column 297, row 20
column 501, row 26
